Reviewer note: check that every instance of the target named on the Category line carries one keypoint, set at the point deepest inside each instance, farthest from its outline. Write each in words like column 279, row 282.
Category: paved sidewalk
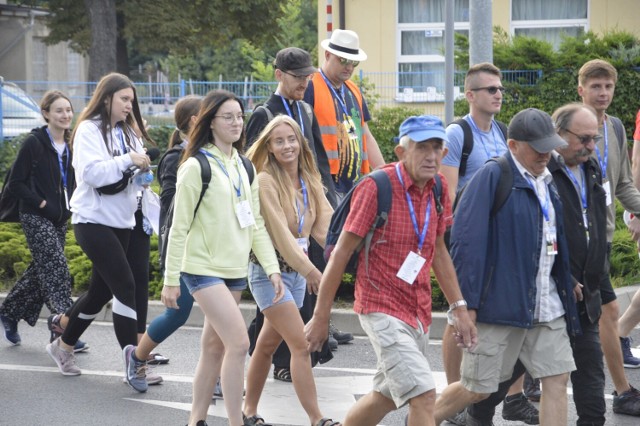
column 345, row 319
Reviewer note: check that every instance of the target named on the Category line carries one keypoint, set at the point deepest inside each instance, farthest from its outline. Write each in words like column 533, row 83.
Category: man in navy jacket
column 513, row 268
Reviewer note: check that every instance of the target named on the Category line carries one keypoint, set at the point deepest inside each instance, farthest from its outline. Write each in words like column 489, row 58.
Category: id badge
column 411, row 267
column 244, row 214
column 552, row 241
column 607, row 190
column 303, row 243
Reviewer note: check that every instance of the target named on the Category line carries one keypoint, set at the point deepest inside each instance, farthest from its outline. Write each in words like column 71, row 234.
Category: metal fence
column 20, row 113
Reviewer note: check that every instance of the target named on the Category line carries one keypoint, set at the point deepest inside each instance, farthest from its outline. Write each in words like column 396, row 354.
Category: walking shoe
column 532, row 388
column 157, row 359
column 472, row 421
column 10, row 330
column 460, row 418
column 217, row 392
column 518, row 408
column 80, row 346
column 630, row 361
column 66, row 361
column 53, row 324
column 340, row 337
column 627, row 403
column 333, row 343
column 135, row 370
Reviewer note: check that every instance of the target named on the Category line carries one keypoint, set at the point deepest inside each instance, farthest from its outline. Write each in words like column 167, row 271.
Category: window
column 420, row 38
column 549, row 20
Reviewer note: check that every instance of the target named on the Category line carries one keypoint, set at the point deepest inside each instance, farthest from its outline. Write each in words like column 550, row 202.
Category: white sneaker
column 66, row 361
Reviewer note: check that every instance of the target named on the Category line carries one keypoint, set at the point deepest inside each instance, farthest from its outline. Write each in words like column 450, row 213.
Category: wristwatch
column 457, row 304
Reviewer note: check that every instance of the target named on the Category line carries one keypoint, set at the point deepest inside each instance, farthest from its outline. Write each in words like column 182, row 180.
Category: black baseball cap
column 536, row 128
column 295, row 61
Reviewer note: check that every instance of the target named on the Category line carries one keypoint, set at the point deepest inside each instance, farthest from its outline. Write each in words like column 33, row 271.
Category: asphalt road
column 33, row 392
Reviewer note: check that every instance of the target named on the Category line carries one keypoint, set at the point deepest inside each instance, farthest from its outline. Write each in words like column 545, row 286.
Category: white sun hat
column 346, row 44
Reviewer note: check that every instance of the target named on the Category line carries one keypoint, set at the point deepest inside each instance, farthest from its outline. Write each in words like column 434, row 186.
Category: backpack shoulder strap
column 248, row 166
column 503, row 129
column 505, row 183
column 205, row 174
column 266, row 109
column 467, row 145
column 437, row 193
column 383, row 185
column 308, row 110
column 618, row 127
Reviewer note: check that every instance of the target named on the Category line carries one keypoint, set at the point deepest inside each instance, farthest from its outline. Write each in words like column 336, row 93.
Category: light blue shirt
column 486, row 145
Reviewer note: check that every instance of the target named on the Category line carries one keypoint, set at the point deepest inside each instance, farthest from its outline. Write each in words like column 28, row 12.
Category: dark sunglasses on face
column 345, row 62
column 585, row 139
column 491, row 89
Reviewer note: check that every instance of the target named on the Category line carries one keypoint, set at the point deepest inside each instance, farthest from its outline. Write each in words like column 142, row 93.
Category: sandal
column 255, row 420
column 283, row 374
column 327, row 422
column 157, row 359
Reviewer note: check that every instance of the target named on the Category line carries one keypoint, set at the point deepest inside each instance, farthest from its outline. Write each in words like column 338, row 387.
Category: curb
column 344, row 319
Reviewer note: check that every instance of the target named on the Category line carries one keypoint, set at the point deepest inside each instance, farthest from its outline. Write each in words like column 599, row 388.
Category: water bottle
column 144, row 178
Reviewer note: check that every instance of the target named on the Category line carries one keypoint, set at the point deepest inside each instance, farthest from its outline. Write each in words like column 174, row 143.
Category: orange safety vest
column 325, row 110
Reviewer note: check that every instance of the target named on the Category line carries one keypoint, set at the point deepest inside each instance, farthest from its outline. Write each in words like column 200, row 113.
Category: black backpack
column 339, row 217
column 205, row 174
column 467, row 144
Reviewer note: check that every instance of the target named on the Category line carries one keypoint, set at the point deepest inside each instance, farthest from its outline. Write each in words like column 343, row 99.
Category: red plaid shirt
column 392, row 243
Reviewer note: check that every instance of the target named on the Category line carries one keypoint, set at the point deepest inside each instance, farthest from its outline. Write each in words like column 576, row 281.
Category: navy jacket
column 496, row 257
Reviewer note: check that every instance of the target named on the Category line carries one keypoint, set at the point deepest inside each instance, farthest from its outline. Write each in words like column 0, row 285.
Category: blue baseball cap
column 421, row 128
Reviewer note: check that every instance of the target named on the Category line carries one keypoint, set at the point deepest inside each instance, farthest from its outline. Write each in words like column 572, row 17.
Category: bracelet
column 457, row 304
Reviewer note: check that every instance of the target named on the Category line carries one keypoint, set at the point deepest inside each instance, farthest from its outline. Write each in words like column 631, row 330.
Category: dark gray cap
column 294, row 61
column 536, row 128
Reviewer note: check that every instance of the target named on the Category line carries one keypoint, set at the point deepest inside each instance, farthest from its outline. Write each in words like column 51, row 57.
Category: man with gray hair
column 513, row 268
column 393, row 289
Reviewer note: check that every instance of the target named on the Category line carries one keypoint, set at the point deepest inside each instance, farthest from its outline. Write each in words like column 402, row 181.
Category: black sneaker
column 630, row 361
column 472, row 421
column 518, row 408
column 532, row 388
column 333, row 343
column 459, row 419
column 10, row 330
column 340, row 337
column 627, row 403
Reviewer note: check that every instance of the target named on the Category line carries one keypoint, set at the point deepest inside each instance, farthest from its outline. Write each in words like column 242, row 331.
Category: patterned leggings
column 47, row 279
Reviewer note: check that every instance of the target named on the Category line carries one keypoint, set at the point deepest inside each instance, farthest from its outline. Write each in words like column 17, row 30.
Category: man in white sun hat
column 342, row 112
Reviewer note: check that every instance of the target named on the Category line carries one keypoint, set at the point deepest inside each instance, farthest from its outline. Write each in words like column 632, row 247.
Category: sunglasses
column 346, row 62
column 491, row 89
column 585, row 139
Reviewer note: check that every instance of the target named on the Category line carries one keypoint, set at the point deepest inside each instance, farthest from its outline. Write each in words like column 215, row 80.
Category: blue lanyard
column 421, row 235
column 545, row 206
column 286, row 106
column 482, row 136
column 63, row 168
column 341, row 99
column 305, row 200
column 583, row 189
column 120, row 134
column 224, row 170
column 603, row 164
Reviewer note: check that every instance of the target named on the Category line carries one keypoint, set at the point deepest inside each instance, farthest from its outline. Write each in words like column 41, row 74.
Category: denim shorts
column 294, row 287
column 198, row 282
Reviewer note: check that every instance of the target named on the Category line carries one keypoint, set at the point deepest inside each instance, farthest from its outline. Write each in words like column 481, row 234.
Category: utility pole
column 480, row 31
column 448, row 61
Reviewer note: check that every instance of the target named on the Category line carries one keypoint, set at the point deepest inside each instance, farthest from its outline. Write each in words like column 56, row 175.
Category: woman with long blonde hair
column 294, row 207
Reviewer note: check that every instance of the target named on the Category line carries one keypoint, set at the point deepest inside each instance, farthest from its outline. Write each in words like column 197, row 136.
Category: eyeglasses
column 346, row 62
column 231, row 118
column 300, row 78
column 491, row 89
column 585, row 139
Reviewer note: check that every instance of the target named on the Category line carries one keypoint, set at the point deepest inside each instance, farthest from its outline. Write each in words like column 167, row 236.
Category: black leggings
column 111, row 276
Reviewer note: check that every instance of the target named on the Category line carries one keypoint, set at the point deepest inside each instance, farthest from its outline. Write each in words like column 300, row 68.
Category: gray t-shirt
column 486, row 145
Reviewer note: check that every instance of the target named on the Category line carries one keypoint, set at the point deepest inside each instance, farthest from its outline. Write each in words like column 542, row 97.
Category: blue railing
column 157, row 98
